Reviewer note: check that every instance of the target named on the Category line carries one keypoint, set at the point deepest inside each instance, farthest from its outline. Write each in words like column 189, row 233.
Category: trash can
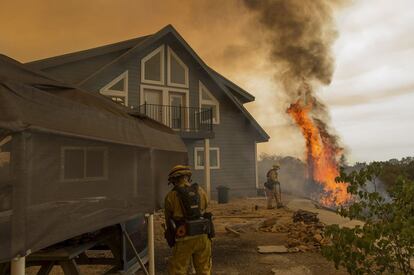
column 223, row 194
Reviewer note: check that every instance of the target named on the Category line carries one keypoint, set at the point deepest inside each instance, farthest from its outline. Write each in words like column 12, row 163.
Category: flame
column 322, row 155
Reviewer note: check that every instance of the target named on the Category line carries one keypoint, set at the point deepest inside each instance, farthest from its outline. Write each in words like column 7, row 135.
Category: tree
column 385, row 243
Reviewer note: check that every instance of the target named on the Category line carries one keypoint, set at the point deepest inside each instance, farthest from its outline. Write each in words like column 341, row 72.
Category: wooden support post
column 151, row 251
column 18, row 266
column 207, row 167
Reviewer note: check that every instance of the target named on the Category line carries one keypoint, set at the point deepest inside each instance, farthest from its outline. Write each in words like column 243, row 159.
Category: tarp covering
column 72, row 162
column 34, row 101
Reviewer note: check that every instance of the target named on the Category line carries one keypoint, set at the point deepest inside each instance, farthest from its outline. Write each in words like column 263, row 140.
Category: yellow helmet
column 276, row 166
column 179, row 170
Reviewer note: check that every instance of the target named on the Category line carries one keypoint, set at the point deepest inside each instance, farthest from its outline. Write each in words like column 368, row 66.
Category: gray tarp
column 30, row 101
column 40, row 121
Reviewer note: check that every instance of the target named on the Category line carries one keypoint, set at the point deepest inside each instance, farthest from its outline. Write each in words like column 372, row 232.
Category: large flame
column 322, row 155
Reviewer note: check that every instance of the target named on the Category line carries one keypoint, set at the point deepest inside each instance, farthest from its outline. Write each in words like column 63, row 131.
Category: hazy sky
column 371, row 99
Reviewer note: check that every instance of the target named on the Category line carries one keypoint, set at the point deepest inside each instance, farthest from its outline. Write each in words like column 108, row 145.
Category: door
column 177, row 111
column 153, row 104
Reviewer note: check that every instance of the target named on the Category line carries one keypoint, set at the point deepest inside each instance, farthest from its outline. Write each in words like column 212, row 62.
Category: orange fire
column 322, row 155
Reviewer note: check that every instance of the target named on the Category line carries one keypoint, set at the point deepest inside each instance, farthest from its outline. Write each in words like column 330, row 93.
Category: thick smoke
column 300, row 36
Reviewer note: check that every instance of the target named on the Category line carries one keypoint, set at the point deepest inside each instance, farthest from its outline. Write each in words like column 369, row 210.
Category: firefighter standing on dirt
column 272, row 187
column 189, row 227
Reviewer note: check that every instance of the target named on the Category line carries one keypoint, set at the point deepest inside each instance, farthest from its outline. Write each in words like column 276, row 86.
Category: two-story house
column 161, row 76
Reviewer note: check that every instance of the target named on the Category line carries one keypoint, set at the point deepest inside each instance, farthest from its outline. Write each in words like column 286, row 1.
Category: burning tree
column 300, row 35
column 323, row 152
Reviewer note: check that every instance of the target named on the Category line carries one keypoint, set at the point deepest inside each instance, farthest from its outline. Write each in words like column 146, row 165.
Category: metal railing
column 185, row 119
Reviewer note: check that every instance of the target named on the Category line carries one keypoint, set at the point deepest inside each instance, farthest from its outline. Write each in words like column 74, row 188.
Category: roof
column 126, row 48
column 242, row 94
column 76, row 56
column 31, row 100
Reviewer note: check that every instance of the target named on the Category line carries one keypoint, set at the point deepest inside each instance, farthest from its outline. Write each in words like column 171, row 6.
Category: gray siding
column 235, row 136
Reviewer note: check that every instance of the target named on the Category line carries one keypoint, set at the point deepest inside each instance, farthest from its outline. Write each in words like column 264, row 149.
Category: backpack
column 190, row 201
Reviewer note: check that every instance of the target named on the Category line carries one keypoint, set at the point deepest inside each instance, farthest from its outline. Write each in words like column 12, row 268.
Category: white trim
column 108, row 92
column 186, row 75
column 256, row 168
column 84, row 149
column 201, row 150
column 141, row 92
column 165, row 97
column 214, row 102
column 160, row 49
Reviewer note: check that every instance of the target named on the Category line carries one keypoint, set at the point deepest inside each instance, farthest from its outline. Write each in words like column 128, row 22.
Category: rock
column 272, row 249
column 293, row 249
column 268, row 222
column 305, row 216
column 412, row 263
column 274, row 260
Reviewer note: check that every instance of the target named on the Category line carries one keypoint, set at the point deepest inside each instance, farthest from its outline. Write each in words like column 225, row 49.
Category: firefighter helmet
column 179, row 170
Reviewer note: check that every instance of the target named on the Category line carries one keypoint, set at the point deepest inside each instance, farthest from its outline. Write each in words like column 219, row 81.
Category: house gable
column 235, row 94
column 169, row 30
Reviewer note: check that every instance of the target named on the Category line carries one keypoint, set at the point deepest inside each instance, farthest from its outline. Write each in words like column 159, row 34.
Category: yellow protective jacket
column 173, row 208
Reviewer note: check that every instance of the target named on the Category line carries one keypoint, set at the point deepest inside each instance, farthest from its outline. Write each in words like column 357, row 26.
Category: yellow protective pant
column 198, row 248
column 272, row 195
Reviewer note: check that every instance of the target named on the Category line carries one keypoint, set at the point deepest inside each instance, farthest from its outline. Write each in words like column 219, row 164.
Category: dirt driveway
column 238, row 254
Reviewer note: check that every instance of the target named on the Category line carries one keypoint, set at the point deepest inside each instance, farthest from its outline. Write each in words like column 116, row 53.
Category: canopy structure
column 72, row 161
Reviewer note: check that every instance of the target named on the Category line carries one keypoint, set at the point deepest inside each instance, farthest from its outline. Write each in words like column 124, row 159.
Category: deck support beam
column 207, row 167
column 18, row 266
column 151, row 250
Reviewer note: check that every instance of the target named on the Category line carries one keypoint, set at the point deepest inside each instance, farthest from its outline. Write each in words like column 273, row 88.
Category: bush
column 385, row 243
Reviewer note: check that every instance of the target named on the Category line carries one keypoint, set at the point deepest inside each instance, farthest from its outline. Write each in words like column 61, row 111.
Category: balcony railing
column 184, row 119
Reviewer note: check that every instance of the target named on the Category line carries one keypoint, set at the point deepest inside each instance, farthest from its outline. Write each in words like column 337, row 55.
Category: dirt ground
column 238, row 254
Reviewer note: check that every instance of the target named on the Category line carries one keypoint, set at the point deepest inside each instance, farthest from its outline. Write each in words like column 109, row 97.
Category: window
column 152, row 67
column 177, row 71
column 5, row 149
column 199, row 158
column 6, row 187
column 163, row 104
column 84, row 163
column 207, row 100
column 117, row 89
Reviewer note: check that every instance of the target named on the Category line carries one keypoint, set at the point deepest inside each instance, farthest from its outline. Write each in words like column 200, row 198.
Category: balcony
column 190, row 122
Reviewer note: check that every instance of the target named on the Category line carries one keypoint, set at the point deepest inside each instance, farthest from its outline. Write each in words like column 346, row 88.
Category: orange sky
column 222, row 33
column 41, row 28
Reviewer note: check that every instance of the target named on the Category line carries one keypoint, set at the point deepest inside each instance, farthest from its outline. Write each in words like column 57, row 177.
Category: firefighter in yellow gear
column 188, row 232
column 272, row 187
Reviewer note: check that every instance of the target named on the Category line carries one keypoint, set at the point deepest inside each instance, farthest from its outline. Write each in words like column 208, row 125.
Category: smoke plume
column 300, row 36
